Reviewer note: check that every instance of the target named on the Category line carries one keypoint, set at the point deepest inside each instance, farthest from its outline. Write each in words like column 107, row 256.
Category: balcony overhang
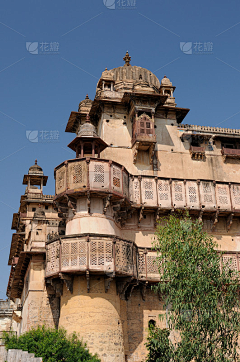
column 16, row 245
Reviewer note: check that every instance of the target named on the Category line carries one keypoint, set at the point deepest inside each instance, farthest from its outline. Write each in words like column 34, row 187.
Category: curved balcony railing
column 105, row 255
column 98, row 175
column 92, row 174
column 109, row 256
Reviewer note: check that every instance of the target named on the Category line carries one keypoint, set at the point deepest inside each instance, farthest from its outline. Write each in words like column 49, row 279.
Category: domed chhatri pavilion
column 82, row 258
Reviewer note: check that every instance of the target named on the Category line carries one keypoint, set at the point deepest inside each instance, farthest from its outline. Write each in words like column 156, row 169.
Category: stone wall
column 116, row 329
column 17, row 355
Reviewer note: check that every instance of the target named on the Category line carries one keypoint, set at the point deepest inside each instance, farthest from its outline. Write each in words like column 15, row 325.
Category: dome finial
column 36, row 162
column 127, row 59
column 88, row 118
column 87, row 96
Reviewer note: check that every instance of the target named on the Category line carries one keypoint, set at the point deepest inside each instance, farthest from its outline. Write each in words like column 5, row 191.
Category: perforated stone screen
column 192, row 195
column 101, row 254
column 124, row 257
column 223, row 197
column 74, row 254
column 230, row 261
column 134, row 190
column 164, row 194
column 207, row 195
column 141, row 264
column 178, row 194
column 149, row 195
column 77, row 174
column 60, row 180
column 116, row 178
column 52, row 258
column 99, row 175
column 235, row 194
column 152, row 265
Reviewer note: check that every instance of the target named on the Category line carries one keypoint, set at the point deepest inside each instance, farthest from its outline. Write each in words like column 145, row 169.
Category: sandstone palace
column 82, row 258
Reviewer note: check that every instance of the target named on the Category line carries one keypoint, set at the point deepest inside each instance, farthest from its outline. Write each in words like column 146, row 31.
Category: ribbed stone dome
column 87, row 129
column 135, row 73
column 85, row 105
column 130, row 77
column 35, row 169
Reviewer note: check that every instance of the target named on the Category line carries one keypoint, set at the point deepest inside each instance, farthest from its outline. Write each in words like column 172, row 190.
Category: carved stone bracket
column 107, row 283
column 71, row 204
column 122, row 287
column 57, row 286
column 88, row 281
column 215, row 220
column 107, row 203
column 135, row 152
column 129, row 290
column 200, row 216
column 68, row 280
column 157, row 216
column 141, row 214
column 143, row 289
column 151, row 153
column 230, row 221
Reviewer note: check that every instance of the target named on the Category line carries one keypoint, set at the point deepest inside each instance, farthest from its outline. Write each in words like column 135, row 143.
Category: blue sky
column 81, row 39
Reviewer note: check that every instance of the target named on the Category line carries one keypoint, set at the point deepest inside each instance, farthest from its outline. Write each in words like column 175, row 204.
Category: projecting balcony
column 91, row 174
column 144, row 137
column 230, row 153
column 100, row 255
column 197, row 153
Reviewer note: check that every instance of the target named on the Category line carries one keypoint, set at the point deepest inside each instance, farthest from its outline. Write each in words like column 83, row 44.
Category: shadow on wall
column 142, row 310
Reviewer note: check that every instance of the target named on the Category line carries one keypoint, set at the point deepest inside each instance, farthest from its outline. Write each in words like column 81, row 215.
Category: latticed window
column 143, row 126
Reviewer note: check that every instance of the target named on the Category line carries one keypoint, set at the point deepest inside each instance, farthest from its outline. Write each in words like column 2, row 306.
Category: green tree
column 158, row 345
column 202, row 297
column 51, row 344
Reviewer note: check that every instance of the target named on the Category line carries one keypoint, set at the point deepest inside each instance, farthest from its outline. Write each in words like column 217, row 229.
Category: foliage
column 51, row 344
column 201, row 296
column 158, row 345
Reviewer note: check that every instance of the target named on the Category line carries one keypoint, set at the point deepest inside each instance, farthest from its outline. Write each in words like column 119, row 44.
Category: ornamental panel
column 60, row 180
column 230, row 261
column 52, row 258
column 149, row 194
column 99, row 175
column 134, row 190
column 116, row 178
column 207, row 195
column 77, row 174
column 101, row 254
column 124, row 257
column 74, row 254
column 192, row 195
column 235, row 194
column 164, row 194
column 141, row 264
column 223, row 197
column 152, row 265
column 178, row 194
